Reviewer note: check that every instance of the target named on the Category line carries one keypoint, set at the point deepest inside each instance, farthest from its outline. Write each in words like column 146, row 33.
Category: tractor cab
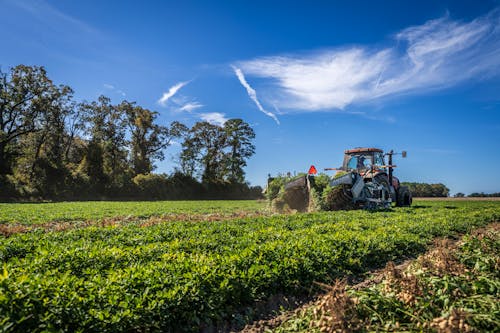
column 363, row 159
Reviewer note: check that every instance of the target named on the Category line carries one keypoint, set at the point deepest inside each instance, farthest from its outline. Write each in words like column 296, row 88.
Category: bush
column 152, row 186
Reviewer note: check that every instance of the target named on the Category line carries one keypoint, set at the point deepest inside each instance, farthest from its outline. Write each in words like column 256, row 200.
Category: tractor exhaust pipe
column 390, row 166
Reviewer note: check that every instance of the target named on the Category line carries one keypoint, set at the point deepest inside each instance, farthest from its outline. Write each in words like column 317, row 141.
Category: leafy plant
column 183, row 276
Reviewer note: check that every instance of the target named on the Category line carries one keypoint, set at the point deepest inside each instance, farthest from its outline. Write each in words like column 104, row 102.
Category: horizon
column 312, row 79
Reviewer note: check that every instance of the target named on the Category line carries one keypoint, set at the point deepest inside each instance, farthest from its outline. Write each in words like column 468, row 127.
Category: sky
column 313, row 78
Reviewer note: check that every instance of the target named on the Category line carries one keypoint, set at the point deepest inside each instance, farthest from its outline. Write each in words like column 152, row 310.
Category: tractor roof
column 363, row 150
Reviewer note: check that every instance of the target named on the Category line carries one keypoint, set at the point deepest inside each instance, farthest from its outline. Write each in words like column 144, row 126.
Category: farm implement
column 363, row 181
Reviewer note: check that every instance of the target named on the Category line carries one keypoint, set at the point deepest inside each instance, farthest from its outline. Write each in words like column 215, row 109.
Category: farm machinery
column 363, row 181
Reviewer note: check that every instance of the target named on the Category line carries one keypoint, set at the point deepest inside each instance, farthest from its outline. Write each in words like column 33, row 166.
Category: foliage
column 52, row 147
column 447, row 289
column 217, row 153
column 187, row 276
column 148, row 140
column 427, row 190
column 38, row 213
column 28, row 99
column 484, row 195
column 239, row 136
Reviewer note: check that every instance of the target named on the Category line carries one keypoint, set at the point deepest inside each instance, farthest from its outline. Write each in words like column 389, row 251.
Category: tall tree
column 218, row 153
column 203, row 150
column 147, row 139
column 42, row 163
column 106, row 158
column 239, row 136
column 26, row 93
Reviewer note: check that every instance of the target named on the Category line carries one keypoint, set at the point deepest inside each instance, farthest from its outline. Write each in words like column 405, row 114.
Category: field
column 161, row 270
column 454, row 287
column 39, row 213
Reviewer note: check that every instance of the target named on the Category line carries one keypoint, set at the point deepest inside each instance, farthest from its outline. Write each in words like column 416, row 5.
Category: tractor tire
column 404, row 197
column 384, row 181
column 339, row 198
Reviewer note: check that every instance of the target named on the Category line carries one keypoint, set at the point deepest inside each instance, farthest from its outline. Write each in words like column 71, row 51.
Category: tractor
column 365, row 180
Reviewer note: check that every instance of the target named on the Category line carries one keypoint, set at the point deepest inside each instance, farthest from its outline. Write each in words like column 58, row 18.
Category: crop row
column 186, row 276
column 448, row 289
column 36, row 213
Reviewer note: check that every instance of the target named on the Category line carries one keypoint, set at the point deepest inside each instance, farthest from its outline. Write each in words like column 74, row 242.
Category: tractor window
column 360, row 162
column 379, row 159
column 353, row 162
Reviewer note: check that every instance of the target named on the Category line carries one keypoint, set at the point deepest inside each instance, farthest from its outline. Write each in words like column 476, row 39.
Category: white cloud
column 190, row 106
column 436, row 55
column 215, row 118
column 252, row 93
column 114, row 89
column 171, row 92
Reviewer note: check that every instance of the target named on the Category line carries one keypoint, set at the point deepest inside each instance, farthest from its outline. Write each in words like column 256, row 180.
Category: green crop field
column 35, row 213
column 454, row 287
column 187, row 276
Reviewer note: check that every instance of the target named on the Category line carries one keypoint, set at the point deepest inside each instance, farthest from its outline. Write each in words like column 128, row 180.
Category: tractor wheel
column 339, row 198
column 404, row 197
column 382, row 180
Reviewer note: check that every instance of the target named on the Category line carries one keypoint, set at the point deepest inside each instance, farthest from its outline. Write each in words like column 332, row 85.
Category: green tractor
column 365, row 180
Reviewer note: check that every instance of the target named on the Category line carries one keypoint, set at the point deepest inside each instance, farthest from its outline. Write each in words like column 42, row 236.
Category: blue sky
column 312, row 77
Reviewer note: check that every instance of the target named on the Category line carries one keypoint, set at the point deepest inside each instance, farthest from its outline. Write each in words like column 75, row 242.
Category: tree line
column 53, row 147
column 478, row 195
column 427, row 190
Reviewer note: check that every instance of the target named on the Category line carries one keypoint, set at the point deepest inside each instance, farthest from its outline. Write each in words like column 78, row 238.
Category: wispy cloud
column 190, row 106
column 114, row 89
column 214, row 118
column 439, row 54
column 252, row 93
column 39, row 26
column 51, row 16
column 171, row 92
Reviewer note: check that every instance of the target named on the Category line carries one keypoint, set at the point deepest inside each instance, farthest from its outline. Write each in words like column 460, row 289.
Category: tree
column 203, row 152
column 148, row 140
column 217, row 153
column 238, row 138
column 106, row 158
column 26, row 93
column 427, row 190
column 43, row 165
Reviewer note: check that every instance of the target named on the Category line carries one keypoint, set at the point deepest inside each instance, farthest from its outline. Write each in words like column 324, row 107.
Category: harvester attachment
column 297, row 193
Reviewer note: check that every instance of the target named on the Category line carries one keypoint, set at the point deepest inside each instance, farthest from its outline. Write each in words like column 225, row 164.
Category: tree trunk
column 4, row 168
